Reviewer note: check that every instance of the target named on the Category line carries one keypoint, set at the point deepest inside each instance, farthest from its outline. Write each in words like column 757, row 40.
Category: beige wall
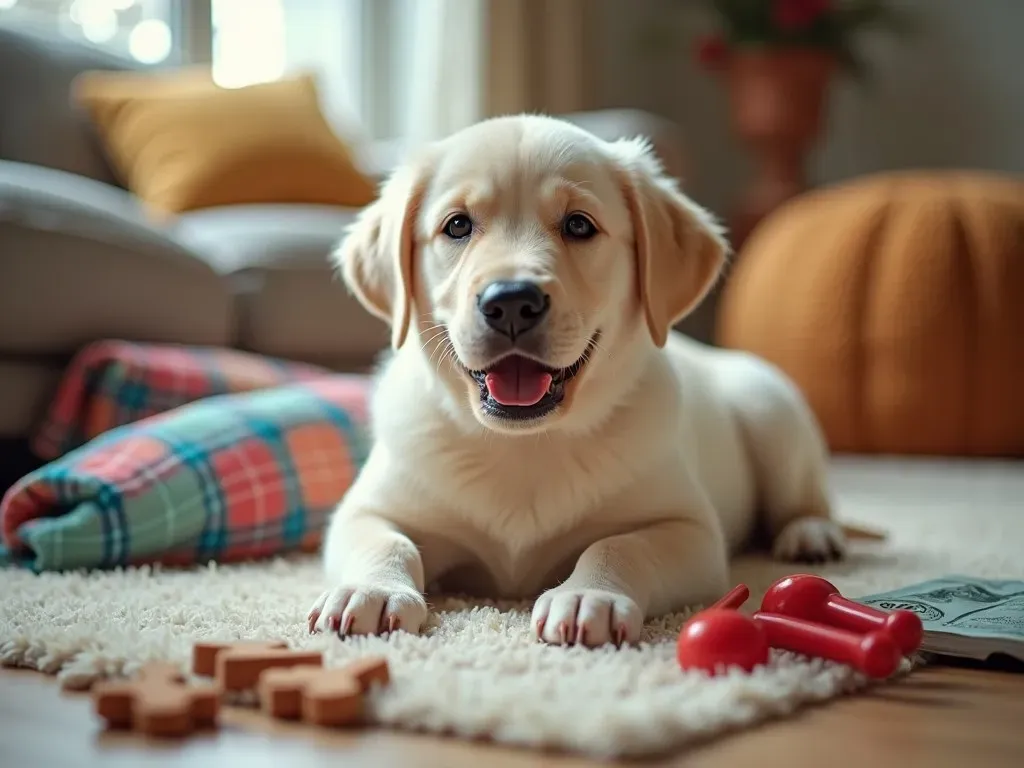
column 953, row 97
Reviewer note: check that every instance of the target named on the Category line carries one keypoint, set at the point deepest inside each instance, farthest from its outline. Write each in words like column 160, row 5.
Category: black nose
column 512, row 308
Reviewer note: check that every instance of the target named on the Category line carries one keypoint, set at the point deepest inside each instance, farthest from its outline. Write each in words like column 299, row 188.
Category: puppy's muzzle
column 513, row 308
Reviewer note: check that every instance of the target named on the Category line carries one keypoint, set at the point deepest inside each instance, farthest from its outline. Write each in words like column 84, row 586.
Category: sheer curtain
column 325, row 37
column 537, row 55
column 408, row 71
column 443, row 57
column 464, row 60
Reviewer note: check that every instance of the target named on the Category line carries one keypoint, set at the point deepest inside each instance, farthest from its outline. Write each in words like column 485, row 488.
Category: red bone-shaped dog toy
column 812, row 598
column 865, row 638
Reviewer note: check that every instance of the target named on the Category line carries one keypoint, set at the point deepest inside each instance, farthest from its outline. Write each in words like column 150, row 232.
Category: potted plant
column 777, row 59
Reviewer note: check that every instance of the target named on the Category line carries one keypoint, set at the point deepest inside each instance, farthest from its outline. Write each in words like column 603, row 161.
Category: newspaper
column 963, row 615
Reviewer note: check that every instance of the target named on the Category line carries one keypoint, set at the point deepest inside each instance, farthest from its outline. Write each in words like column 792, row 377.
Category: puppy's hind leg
column 790, row 459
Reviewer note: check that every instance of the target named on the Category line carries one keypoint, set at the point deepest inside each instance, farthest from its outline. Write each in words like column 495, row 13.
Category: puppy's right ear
column 376, row 254
column 680, row 248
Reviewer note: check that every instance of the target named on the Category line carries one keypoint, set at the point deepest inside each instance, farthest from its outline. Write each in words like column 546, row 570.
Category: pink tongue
column 517, row 381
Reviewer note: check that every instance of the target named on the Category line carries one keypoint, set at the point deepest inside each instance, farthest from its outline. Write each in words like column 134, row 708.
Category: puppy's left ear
column 377, row 252
column 680, row 248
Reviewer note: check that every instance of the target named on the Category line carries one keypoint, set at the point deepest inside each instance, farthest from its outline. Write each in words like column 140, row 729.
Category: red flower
column 794, row 15
column 818, row 7
column 712, row 51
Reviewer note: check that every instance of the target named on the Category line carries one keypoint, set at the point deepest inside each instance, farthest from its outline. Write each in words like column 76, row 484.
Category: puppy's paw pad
column 810, row 539
column 588, row 617
column 368, row 610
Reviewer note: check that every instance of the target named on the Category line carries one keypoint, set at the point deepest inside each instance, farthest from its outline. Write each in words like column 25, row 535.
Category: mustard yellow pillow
column 181, row 142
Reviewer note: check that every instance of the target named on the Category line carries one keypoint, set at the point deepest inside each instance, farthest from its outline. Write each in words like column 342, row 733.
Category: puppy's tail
column 864, row 534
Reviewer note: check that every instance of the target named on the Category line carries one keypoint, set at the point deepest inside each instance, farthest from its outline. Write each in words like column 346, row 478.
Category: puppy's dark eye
column 458, row 227
column 578, row 227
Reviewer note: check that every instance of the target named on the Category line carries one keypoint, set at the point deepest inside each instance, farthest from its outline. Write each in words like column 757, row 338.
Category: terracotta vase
column 777, row 100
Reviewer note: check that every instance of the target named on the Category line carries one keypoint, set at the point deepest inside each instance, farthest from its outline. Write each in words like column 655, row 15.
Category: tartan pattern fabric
column 111, row 383
column 227, row 478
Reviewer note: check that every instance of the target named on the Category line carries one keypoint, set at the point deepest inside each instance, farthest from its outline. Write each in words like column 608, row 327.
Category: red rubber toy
column 875, row 653
column 717, row 639
column 734, row 598
column 812, row 598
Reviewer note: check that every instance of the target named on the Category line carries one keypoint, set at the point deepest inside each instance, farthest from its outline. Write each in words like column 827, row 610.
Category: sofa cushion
column 290, row 301
column 80, row 263
column 181, row 142
column 38, row 122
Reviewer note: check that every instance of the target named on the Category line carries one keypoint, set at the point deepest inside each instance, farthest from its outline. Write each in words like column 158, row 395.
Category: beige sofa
column 79, row 261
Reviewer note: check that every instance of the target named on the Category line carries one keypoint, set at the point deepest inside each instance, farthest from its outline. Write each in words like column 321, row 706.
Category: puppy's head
column 533, row 265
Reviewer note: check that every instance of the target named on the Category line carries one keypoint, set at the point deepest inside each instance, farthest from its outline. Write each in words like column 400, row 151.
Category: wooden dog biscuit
column 317, row 695
column 204, row 655
column 328, row 697
column 239, row 670
column 237, row 666
column 370, row 670
column 157, row 702
column 332, row 701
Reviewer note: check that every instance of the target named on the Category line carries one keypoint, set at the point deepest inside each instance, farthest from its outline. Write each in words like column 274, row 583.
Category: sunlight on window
column 143, row 30
column 248, row 41
column 97, row 19
column 150, row 41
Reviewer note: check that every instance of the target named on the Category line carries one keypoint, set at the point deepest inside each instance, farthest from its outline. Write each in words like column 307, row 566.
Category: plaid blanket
column 229, row 477
column 110, row 383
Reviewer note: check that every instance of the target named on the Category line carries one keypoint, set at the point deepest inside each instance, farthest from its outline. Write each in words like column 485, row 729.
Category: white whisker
column 599, row 347
column 451, row 356
column 437, row 346
column 435, row 336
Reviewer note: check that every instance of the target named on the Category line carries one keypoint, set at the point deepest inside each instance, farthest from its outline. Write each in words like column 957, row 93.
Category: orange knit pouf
column 896, row 303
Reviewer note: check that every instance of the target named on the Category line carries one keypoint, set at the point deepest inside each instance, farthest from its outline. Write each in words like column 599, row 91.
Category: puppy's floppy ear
column 680, row 248
column 376, row 254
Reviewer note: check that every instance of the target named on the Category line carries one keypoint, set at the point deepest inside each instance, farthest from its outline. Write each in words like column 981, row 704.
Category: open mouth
column 519, row 388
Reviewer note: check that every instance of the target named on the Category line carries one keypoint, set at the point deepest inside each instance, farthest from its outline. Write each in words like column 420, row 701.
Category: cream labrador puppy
column 539, row 429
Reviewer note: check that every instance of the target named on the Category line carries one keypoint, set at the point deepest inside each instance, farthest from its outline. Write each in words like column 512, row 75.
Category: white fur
column 628, row 502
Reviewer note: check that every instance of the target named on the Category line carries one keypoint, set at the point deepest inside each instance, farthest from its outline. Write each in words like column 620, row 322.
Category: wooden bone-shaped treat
column 157, row 702
column 328, row 697
column 237, row 666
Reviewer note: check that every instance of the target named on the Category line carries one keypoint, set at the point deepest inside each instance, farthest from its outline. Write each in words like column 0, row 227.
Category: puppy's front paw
column 589, row 617
column 810, row 539
column 368, row 610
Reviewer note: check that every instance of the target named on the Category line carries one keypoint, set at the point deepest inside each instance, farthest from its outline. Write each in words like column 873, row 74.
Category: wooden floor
column 938, row 717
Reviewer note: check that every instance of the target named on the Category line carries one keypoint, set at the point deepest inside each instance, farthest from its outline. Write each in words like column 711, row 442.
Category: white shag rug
column 477, row 673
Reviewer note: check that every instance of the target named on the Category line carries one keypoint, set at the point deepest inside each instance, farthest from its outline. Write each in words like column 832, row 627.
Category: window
column 363, row 52
column 255, row 41
column 248, row 41
column 147, row 31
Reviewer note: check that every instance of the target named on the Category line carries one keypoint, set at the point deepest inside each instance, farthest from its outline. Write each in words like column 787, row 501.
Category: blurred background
column 948, row 95
column 951, row 95
column 177, row 171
